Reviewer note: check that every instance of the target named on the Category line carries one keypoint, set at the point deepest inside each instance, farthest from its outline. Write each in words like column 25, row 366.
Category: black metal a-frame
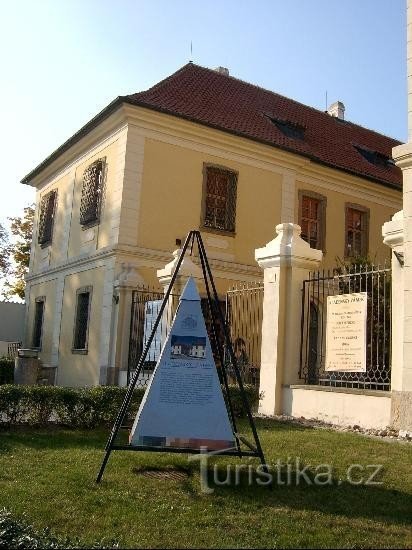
column 216, row 313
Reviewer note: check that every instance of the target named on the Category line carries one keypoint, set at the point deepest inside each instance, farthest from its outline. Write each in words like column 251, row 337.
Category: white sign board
column 183, row 406
column 346, row 317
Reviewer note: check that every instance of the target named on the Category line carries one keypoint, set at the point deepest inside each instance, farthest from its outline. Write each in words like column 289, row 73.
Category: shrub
column 6, row 370
column 17, row 533
column 82, row 407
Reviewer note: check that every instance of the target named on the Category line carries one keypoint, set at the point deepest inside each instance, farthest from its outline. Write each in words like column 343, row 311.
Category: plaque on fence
column 346, row 317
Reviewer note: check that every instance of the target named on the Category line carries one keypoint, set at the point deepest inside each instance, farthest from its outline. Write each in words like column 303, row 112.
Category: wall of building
column 69, row 239
column 47, row 289
column 75, row 369
column 381, row 210
column 171, row 201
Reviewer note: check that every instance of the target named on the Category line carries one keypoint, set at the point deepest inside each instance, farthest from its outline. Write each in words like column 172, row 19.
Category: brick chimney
column 222, row 70
column 337, row 110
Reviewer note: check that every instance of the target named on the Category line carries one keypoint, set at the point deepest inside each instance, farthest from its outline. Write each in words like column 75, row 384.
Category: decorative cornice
column 155, row 257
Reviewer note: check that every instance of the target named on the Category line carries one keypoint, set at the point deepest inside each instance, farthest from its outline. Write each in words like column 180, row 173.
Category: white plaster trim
column 287, row 213
column 218, row 143
column 149, row 258
column 378, row 195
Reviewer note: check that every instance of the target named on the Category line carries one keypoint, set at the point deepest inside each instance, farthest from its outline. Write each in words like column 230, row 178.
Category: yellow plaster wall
column 76, row 369
column 335, row 223
column 57, row 249
column 48, row 290
column 84, row 240
column 171, row 201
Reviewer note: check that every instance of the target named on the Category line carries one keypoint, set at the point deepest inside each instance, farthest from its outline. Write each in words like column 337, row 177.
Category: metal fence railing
column 244, row 313
column 373, row 280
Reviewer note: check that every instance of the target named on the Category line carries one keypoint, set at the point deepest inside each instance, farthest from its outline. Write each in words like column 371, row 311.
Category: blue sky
column 64, row 60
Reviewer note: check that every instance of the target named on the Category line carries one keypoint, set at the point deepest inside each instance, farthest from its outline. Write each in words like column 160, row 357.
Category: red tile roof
column 211, row 98
column 208, row 97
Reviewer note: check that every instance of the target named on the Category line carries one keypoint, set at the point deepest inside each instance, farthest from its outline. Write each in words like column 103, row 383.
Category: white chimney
column 222, row 70
column 337, row 110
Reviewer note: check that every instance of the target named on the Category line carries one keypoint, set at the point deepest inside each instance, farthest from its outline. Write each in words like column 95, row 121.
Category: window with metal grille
column 47, row 211
column 357, row 231
column 38, row 322
column 92, row 193
column 219, row 199
column 81, row 324
column 312, row 213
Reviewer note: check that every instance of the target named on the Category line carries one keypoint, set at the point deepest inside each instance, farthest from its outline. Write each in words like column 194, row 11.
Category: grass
column 48, row 475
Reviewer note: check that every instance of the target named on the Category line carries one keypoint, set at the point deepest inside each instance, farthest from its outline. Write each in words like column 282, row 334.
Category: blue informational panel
column 183, row 406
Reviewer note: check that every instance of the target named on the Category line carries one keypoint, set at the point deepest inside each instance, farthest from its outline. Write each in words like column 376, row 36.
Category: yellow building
column 199, row 150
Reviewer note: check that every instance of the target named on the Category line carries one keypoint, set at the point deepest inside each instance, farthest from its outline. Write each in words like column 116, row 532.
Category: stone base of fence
column 401, row 411
column 340, row 406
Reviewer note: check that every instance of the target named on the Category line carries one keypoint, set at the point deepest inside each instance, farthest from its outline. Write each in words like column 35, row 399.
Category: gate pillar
column 187, row 269
column 286, row 261
column 128, row 280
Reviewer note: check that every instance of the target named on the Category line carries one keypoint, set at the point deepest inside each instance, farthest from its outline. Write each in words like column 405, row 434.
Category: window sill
column 80, row 351
column 89, row 225
column 45, row 245
column 217, row 231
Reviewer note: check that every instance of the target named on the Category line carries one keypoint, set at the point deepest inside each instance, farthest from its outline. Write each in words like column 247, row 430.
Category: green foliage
column 76, row 408
column 19, row 534
column 83, row 407
column 21, row 229
column 6, row 370
column 4, row 252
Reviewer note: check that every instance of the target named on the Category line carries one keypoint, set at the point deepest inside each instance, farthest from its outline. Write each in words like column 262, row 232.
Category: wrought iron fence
column 12, row 349
column 373, row 280
column 244, row 312
column 146, row 303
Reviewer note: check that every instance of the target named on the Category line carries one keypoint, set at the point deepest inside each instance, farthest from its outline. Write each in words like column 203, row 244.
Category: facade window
column 81, row 321
column 92, row 190
column 46, row 220
column 356, row 231
column 38, row 322
column 312, row 214
column 219, row 199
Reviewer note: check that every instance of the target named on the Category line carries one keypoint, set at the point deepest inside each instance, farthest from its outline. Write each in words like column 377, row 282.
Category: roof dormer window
column 374, row 157
column 289, row 129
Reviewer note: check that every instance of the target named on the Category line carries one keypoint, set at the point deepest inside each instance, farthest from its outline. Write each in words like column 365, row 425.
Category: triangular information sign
column 183, row 406
column 183, row 409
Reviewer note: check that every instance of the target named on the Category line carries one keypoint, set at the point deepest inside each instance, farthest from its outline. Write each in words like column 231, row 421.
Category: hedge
column 80, row 408
column 6, row 370
column 18, row 533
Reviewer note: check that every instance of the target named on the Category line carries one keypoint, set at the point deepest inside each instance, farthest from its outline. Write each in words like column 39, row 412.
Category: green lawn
column 49, row 475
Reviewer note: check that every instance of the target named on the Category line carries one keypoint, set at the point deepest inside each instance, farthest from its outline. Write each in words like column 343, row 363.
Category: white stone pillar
column 286, row 262
column 128, row 280
column 392, row 233
column 187, row 269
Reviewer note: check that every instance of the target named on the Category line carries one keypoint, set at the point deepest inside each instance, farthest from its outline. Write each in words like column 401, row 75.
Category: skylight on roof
column 289, row 129
column 374, row 157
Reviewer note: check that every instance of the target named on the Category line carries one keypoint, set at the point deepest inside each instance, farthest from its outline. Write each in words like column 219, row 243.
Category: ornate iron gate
column 376, row 282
